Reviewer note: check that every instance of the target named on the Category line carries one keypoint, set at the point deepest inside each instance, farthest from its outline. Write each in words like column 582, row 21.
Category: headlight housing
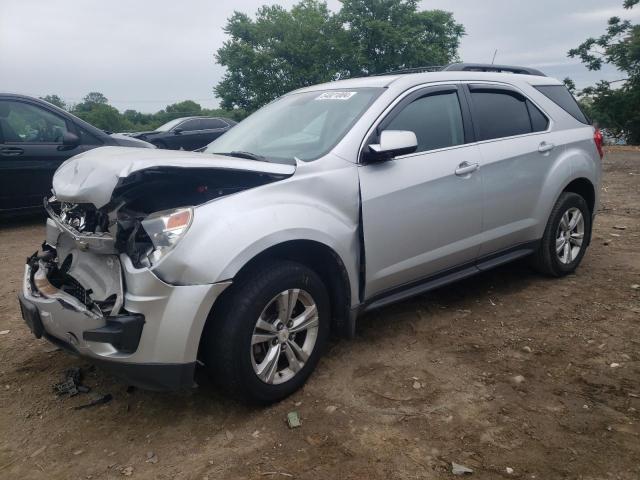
column 165, row 229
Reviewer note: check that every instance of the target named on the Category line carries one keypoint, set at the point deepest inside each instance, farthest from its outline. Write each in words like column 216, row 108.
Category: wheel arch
column 317, row 256
column 585, row 188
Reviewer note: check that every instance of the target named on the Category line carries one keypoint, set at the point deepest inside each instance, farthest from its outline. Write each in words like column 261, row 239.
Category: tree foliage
column 615, row 107
column 281, row 50
column 96, row 110
column 54, row 100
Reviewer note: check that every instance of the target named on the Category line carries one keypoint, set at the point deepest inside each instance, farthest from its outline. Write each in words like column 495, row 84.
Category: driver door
column 422, row 212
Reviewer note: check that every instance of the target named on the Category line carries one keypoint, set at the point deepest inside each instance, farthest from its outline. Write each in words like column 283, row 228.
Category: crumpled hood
column 92, row 176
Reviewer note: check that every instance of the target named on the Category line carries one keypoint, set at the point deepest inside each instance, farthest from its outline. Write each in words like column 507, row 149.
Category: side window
column 211, row 123
column 24, row 123
column 435, row 119
column 87, row 138
column 500, row 113
column 189, row 125
column 563, row 98
column 539, row 122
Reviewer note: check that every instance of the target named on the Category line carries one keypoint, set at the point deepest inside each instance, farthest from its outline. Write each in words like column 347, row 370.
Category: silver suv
column 330, row 201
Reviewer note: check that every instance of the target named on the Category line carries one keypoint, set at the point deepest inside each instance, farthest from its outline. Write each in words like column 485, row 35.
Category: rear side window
column 435, row 119
column 211, row 123
column 500, row 114
column 539, row 122
column 559, row 95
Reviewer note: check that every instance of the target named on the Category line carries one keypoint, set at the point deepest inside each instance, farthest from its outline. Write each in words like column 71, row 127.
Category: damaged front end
column 92, row 287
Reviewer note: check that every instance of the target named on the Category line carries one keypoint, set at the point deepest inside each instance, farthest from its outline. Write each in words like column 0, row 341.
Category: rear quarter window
column 559, row 95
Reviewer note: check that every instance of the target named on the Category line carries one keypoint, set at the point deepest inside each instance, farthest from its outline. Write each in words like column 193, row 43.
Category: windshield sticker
column 336, row 96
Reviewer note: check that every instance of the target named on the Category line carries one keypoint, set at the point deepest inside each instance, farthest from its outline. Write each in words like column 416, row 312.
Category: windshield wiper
column 247, row 155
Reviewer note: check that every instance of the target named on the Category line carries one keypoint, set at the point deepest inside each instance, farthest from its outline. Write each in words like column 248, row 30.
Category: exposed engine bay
column 138, row 198
column 149, row 210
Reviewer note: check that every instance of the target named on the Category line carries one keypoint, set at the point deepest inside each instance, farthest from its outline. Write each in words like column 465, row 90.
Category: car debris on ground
column 98, row 400
column 71, row 385
column 293, row 419
column 458, row 469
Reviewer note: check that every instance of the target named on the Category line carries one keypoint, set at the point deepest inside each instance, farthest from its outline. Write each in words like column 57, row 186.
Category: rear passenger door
column 422, row 212
column 517, row 154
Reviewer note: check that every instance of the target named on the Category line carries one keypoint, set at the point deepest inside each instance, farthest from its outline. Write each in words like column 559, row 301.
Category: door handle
column 11, row 151
column 465, row 168
column 545, row 147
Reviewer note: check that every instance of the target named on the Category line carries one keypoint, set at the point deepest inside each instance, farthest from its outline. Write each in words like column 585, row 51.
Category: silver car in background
column 330, row 201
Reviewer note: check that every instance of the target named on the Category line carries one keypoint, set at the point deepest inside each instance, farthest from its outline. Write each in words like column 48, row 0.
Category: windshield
column 301, row 125
column 169, row 125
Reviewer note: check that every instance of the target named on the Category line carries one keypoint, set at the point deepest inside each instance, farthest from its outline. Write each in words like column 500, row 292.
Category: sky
column 146, row 54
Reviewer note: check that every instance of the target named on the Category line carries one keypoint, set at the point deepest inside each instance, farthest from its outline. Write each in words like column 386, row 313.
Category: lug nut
column 274, row 341
column 290, row 324
column 280, row 326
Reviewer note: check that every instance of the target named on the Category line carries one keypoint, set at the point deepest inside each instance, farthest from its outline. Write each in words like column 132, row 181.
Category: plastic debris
column 293, row 420
column 458, row 469
column 4, row 332
column 509, row 470
column 72, row 383
column 330, row 409
column 151, row 457
column 101, row 400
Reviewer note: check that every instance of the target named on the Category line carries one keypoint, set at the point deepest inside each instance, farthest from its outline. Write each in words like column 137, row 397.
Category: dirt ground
column 510, row 374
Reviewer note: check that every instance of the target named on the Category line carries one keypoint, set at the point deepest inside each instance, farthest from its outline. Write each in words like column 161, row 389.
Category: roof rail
column 430, row 68
column 486, row 67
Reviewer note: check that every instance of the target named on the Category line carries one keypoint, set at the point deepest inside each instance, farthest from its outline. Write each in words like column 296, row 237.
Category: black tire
column 227, row 337
column 545, row 259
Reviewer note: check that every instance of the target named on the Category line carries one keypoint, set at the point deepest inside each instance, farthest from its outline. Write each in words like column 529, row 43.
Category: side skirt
column 448, row 276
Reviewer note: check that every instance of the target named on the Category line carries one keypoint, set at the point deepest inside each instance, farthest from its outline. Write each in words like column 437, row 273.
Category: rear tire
column 565, row 238
column 254, row 345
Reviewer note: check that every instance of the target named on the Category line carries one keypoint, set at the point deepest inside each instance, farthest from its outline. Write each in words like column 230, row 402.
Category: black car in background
column 35, row 138
column 188, row 133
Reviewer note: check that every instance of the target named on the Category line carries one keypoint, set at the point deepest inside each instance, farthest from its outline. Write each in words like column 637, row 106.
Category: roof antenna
column 493, row 60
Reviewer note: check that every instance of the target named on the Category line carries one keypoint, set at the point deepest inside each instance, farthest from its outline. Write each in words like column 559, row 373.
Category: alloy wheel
column 570, row 235
column 284, row 336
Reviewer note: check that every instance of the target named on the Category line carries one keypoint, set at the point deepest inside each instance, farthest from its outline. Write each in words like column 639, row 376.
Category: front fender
column 229, row 232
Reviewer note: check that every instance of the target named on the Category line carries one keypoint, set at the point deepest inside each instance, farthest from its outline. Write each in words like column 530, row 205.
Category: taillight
column 597, row 138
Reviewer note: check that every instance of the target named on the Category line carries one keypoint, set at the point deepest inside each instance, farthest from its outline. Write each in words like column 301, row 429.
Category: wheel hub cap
column 284, row 336
column 570, row 235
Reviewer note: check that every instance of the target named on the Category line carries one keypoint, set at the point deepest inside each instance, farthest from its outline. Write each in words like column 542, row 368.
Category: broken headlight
column 165, row 229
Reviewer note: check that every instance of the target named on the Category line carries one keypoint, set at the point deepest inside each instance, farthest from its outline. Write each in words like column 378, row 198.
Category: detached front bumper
column 151, row 338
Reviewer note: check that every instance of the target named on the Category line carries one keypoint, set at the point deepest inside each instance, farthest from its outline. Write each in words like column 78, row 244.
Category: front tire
column 267, row 335
column 565, row 238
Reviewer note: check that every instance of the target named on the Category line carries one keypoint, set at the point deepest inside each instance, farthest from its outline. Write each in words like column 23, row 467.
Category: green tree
column 393, row 34
column 184, row 108
column 282, row 50
column 54, row 100
column 615, row 107
column 104, row 117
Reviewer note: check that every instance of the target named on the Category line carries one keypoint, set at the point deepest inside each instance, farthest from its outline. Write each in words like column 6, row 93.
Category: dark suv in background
column 188, row 133
column 35, row 138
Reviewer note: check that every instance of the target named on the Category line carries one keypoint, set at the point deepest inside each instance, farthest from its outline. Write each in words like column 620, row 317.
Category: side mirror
column 392, row 143
column 70, row 139
column 177, row 131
